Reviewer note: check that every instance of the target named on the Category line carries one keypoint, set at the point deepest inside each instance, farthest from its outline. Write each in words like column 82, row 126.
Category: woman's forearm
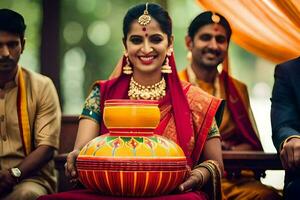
column 87, row 130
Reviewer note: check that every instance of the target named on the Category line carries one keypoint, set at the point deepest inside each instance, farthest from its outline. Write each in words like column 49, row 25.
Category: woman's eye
column 136, row 40
column 156, row 39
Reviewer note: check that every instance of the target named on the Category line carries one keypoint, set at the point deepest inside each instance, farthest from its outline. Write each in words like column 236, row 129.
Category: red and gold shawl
column 237, row 107
column 177, row 112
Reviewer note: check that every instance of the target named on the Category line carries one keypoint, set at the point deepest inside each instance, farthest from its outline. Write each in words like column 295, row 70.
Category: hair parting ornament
column 215, row 18
column 145, row 18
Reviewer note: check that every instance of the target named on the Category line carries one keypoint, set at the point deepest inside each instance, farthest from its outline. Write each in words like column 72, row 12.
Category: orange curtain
column 291, row 8
column 267, row 28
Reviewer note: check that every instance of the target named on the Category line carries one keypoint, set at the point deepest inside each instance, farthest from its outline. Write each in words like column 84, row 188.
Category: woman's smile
column 147, row 60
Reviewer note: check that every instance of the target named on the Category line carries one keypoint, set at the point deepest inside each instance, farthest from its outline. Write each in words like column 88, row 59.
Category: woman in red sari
column 147, row 71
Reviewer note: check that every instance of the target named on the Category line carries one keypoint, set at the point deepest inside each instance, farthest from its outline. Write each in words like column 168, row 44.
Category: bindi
column 216, row 29
column 144, row 29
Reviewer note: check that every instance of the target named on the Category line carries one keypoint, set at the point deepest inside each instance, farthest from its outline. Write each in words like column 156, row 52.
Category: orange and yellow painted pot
column 130, row 160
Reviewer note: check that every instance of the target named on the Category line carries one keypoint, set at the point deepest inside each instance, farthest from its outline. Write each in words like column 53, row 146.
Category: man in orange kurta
column 207, row 40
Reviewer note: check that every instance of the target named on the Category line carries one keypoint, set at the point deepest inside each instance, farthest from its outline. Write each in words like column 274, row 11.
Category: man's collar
column 192, row 78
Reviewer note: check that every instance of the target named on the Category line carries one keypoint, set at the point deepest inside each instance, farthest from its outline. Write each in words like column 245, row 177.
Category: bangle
column 215, row 176
column 215, row 165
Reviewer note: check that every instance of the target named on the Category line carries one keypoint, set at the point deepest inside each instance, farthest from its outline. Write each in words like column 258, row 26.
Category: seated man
column 285, row 120
column 29, row 119
column 208, row 39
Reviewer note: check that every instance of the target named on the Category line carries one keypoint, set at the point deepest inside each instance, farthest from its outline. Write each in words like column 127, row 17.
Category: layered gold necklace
column 150, row 92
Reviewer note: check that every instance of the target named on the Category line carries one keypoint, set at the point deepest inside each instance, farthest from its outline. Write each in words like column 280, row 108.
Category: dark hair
column 155, row 11
column 12, row 22
column 206, row 18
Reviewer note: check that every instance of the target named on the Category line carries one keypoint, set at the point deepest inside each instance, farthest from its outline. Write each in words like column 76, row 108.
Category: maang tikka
column 215, row 18
column 145, row 18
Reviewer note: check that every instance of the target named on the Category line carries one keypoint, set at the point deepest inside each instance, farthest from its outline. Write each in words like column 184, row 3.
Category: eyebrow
column 141, row 35
column 207, row 33
column 10, row 42
column 135, row 36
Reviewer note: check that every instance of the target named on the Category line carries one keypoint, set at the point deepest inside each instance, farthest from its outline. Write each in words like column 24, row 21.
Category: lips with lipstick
column 147, row 60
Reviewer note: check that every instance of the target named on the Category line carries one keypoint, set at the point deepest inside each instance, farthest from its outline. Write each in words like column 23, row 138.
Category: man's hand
column 7, row 182
column 290, row 154
column 197, row 178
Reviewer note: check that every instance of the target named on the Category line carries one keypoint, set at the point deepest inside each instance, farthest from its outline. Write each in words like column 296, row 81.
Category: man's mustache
column 212, row 51
column 6, row 60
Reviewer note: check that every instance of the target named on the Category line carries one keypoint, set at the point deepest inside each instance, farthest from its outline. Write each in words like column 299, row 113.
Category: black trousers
column 292, row 186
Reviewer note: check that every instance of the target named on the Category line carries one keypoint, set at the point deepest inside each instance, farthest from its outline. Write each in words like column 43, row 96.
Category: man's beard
column 209, row 64
column 7, row 64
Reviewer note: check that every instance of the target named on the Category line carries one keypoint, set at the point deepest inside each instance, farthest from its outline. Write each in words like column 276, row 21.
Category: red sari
column 187, row 114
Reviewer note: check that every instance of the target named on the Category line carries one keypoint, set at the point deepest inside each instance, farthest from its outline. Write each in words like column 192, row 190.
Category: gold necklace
column 150, row 92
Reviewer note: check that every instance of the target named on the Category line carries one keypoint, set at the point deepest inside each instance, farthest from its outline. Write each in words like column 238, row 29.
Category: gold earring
column 189, row 56
column 166, row 68
column 127, row 69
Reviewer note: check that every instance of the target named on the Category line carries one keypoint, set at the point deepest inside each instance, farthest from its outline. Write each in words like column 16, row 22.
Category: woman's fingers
column 191, row 182
column 70, row 167
column 195, row 179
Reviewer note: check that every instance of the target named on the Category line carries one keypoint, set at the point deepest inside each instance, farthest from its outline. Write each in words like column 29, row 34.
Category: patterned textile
column 91, row 110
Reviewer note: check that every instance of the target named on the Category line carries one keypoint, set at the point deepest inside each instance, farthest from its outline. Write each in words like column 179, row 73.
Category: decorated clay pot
column 130, row 160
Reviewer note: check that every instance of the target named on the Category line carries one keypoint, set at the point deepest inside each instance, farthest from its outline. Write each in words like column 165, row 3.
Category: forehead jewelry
column 215, row 18
column 145, row 18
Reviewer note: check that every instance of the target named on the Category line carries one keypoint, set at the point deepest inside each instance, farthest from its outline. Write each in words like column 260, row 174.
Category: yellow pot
column 132, row 114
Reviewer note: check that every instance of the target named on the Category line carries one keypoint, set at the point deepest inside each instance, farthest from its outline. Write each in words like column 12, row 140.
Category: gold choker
column 150, row 92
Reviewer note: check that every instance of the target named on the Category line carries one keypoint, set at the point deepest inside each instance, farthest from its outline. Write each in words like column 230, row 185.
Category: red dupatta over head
column 117, row 88
column 238, row 109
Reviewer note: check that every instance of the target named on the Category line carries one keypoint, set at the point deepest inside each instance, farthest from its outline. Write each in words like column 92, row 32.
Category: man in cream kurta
column 29, row 119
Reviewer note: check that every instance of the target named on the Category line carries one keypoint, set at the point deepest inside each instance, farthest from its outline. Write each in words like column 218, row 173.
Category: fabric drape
column 267, row 28
column 22, row 111
column 117, row 87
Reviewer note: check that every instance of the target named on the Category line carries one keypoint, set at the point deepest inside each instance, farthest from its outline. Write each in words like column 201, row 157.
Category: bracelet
column 214, row 171
column 288, row 138
column 215, row 164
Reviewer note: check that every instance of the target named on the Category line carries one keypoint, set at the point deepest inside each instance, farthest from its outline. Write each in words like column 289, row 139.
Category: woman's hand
column 70, row 166
column 197, row 178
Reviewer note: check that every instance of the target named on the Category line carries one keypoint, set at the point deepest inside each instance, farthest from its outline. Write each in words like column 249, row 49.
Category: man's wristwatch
column 15, row 173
